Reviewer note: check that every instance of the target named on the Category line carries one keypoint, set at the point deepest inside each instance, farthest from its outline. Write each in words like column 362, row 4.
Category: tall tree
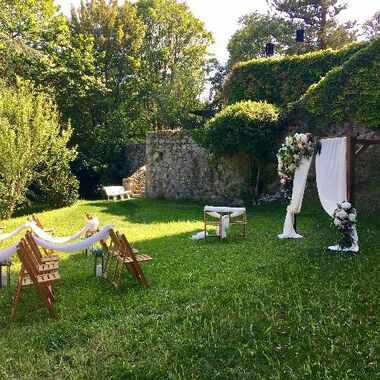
column 173, row 62
column 371, row 27
column 29, row 31
column 100, row 84
column 255, row 31
column 319, row 19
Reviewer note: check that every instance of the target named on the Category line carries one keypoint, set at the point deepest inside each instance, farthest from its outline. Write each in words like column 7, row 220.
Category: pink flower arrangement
column 296, row 147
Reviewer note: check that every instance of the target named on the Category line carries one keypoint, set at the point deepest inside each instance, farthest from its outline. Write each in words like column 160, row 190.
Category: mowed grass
column 255, row 308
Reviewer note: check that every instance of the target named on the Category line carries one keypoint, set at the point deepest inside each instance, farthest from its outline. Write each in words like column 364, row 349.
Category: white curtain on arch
column 331, row 175
column 299, row 184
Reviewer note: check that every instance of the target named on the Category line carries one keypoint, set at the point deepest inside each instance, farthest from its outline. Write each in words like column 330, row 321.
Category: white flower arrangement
column 344, row 219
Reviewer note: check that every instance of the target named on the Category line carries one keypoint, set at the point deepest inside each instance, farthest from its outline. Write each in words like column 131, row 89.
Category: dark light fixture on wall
column 300, row 35
column 269, row 49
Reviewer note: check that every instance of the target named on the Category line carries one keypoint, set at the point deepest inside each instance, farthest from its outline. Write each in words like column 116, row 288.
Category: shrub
column 242, row 127
column 248, row 127
column 32, row 145
column 283, row 80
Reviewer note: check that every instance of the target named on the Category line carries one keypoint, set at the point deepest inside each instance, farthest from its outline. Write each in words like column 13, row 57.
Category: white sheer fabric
column 91, row 225
column 299, row 183
column 23, row 227
column 8, row 252
column 103, row 234
column 216, row 212
column 331, row 173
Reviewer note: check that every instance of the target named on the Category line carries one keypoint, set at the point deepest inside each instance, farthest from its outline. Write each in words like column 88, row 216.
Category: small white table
column 224, row 216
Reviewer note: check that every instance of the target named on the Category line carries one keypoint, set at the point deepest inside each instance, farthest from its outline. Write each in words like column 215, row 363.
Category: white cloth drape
column 24, row 226
column 8, row 252
column 216, row 212
column 91, row 225
column 103, row 234
column 331, row 173
column 299, row 183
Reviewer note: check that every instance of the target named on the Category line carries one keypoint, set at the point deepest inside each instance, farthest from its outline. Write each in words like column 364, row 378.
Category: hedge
column 349, row 93
column 283, row 80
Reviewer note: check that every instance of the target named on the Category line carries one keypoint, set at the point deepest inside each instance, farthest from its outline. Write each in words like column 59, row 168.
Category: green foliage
column 57, row 184
column 350, row 92
column 283, row 80
column 30, row 31
column 254, row 308
column 174, row 63
column 31, row 140
column 319, row 20
column 247, row 127
column 255, row 31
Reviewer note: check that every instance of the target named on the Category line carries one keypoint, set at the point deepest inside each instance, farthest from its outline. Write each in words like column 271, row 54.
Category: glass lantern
column 98, row 262
column 5, row 273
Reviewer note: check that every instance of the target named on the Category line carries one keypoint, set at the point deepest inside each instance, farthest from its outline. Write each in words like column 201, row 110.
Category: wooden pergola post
column 352, row 154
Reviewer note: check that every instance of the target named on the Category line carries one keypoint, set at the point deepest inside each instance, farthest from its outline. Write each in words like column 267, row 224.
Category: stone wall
column 135, row 158
column 178, row 168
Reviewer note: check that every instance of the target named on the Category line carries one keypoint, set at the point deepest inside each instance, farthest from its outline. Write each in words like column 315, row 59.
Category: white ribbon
column 24, row 226
column 103, row 234
column 92, row 225
column 8, row 252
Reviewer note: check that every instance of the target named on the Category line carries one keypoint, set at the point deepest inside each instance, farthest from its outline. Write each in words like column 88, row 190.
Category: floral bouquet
column 296, row 147
column 344, row 218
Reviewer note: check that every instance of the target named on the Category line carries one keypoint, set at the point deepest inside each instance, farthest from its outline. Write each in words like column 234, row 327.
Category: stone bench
column 117, row 191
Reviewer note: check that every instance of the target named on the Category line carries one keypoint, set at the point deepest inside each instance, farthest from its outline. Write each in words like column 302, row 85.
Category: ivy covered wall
column 283, row 80
column 348, row 93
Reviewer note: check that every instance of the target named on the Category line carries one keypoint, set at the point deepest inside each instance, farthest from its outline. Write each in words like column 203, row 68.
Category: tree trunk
column 258, row 179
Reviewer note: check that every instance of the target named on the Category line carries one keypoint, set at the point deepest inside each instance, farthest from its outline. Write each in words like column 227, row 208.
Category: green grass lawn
column 255, row 308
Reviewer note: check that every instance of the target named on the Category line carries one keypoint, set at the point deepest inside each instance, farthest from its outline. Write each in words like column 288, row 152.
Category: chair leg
column 141, row 274
column 47, row 301
column 16, row 296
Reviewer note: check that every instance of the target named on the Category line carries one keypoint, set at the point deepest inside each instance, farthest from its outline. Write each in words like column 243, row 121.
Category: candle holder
column 98, row 262
column 5, row 279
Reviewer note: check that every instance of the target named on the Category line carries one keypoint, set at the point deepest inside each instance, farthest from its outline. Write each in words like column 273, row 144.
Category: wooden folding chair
column 48, row 230
column 128, row 260
column 39, row 224
column 31, row 275
column 44, row 263
column 41, row 259
column 112, row 251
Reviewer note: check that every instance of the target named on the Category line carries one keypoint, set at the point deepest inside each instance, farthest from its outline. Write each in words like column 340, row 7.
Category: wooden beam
column 367, row 141
column 351, row 140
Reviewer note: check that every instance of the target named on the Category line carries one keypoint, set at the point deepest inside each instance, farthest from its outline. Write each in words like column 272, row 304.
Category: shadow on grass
column 149, row 211
column 34, row 209
column 216, row 309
